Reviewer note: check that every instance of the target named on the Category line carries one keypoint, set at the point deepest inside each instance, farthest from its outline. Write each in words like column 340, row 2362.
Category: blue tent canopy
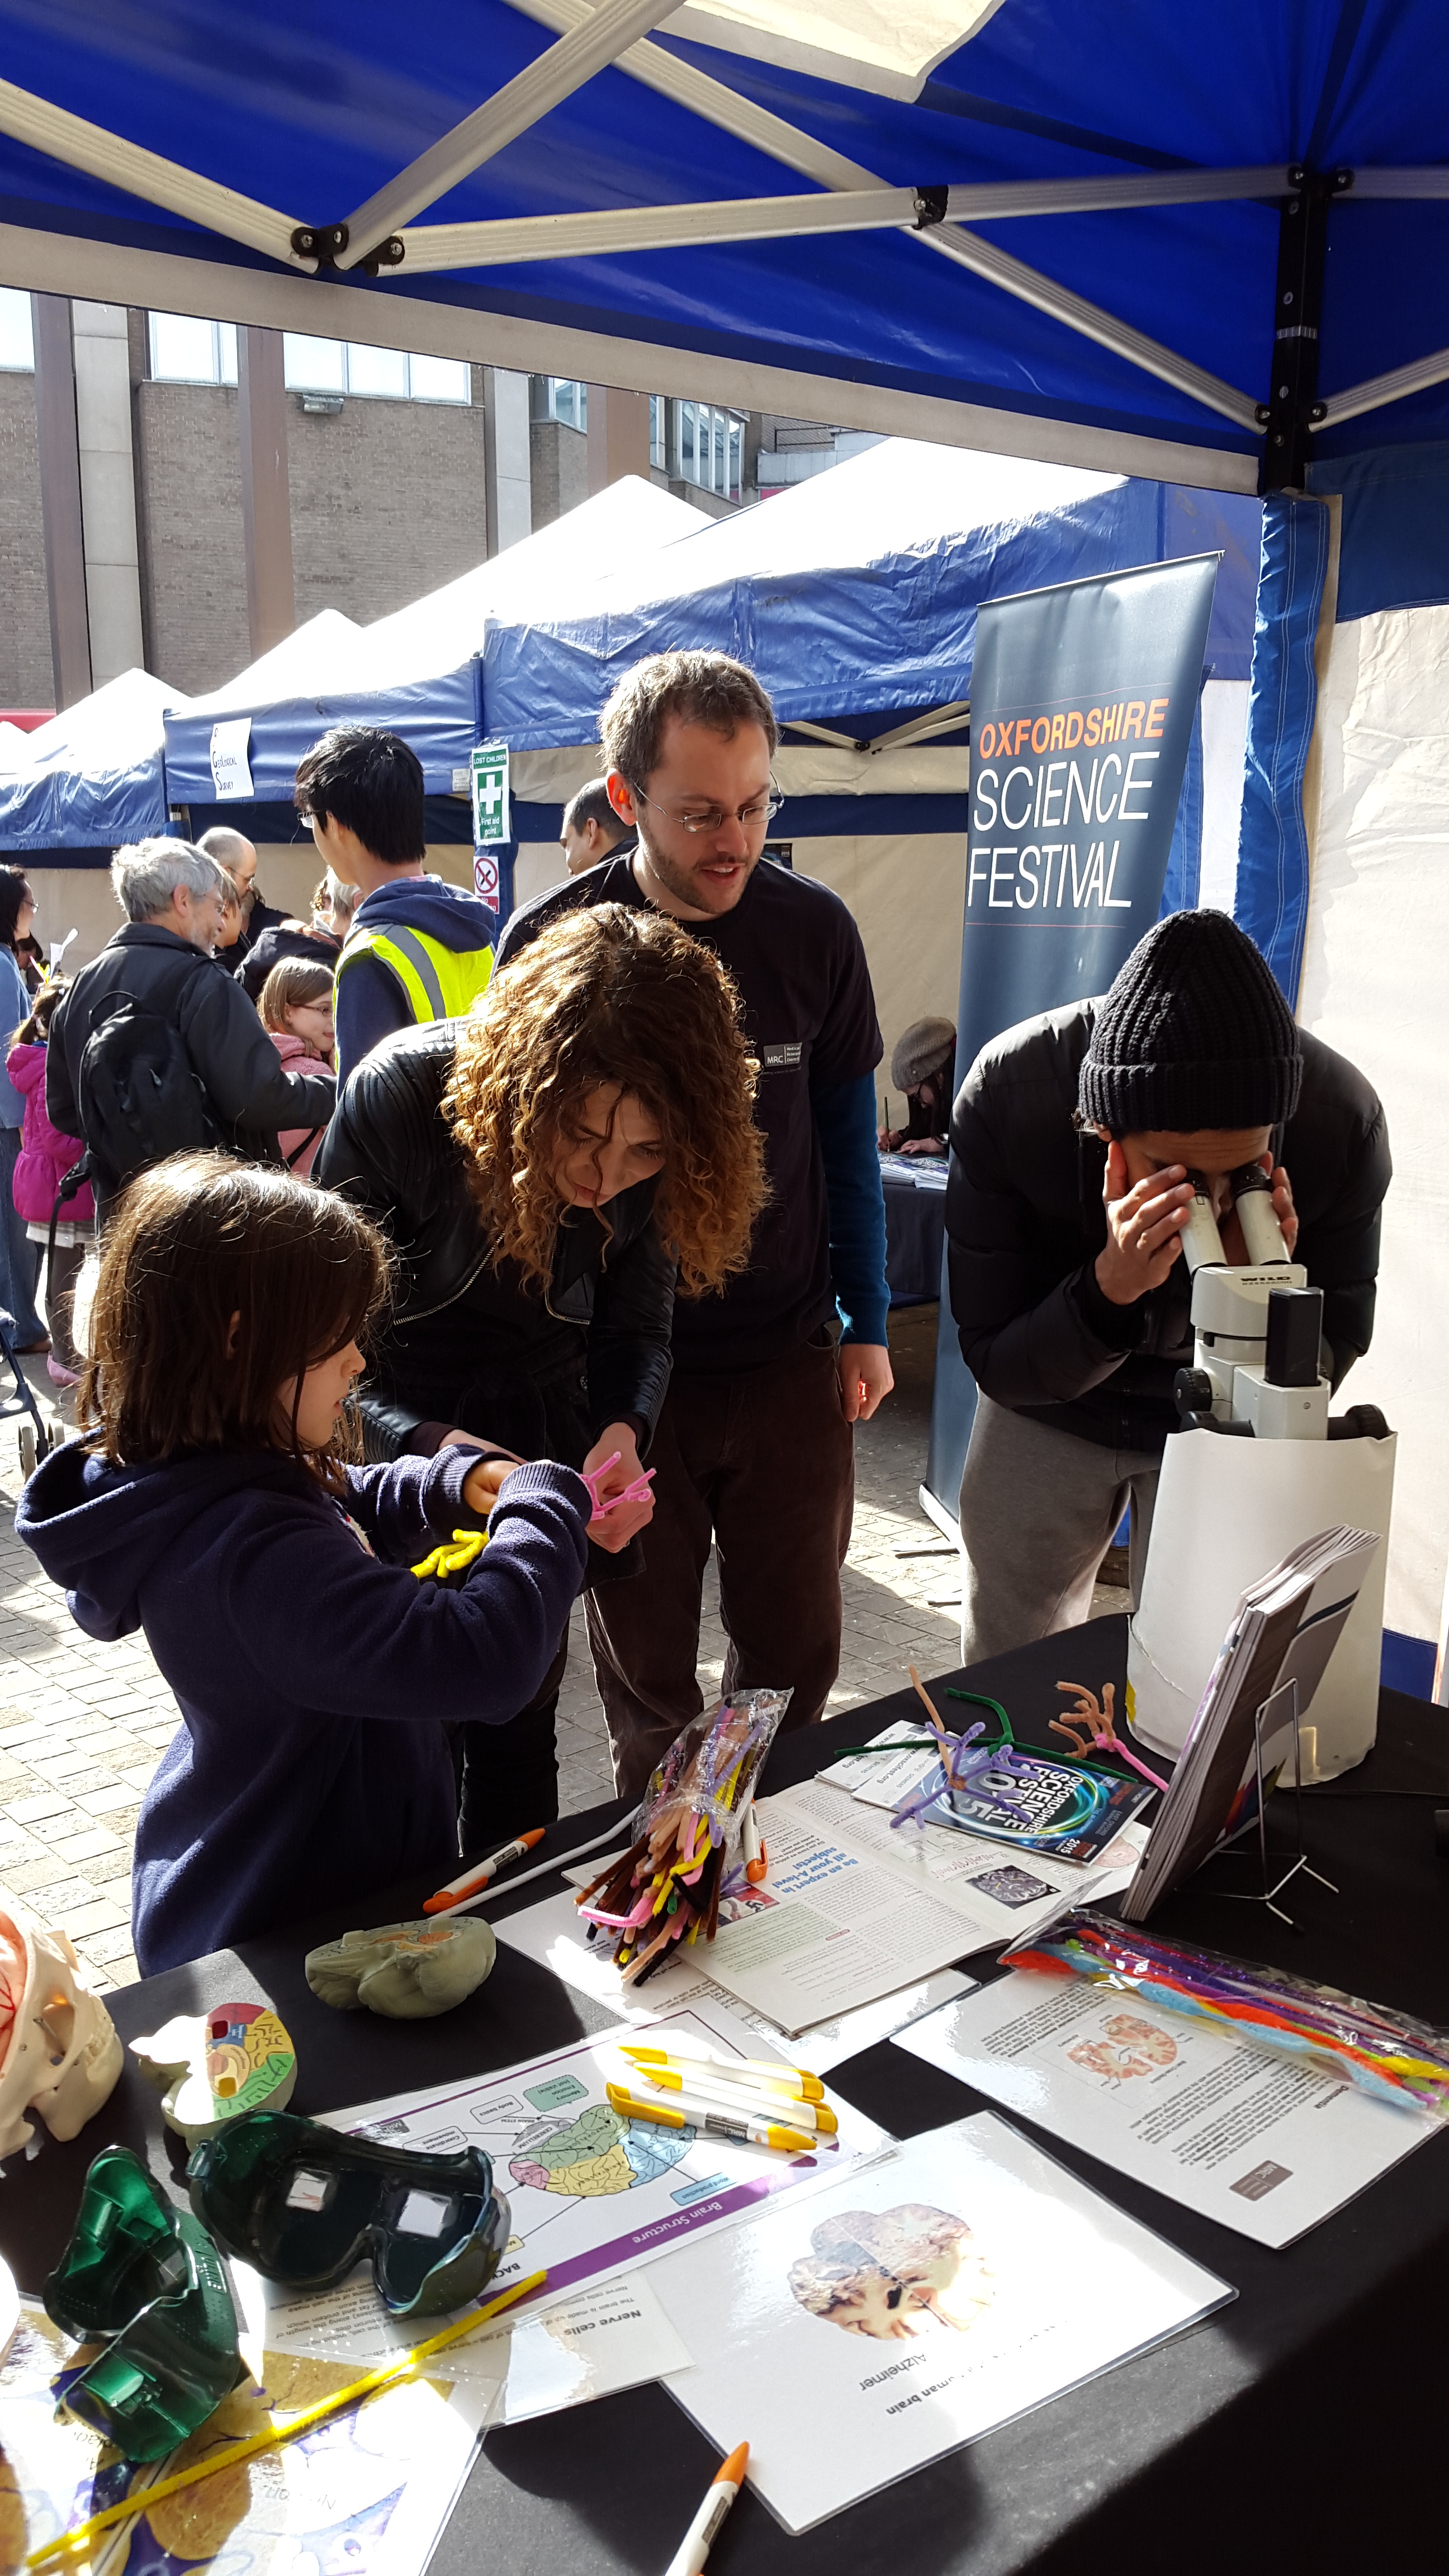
column 859, row 590
column 1078, row 233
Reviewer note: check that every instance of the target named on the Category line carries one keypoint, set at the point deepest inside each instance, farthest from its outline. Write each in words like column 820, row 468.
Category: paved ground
column 82, row 1726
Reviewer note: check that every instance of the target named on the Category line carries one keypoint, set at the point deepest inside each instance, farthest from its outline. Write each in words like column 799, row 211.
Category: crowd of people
column 565, row 1248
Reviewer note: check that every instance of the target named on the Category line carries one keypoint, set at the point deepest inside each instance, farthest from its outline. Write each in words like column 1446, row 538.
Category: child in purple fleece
column 210, row 1505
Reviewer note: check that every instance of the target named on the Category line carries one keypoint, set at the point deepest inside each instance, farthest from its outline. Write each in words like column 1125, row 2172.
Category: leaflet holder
column 1266, row 1722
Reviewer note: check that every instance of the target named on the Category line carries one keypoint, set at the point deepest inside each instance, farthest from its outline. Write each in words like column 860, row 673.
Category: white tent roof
column 116, row 723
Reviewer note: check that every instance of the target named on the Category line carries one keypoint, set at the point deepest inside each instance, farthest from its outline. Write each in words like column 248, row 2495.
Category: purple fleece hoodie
column 313, row 1677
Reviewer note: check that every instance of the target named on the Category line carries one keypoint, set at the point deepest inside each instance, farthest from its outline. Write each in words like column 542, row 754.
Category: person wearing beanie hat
column 921, row 1066
column 1072, row 1139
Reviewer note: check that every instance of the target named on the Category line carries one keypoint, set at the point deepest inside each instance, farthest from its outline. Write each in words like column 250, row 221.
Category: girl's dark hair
column 195, row 1241
column 32, row 1030
column 15, row 889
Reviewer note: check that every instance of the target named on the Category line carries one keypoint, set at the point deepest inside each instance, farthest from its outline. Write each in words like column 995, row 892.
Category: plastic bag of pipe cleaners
column 667, row 1887
column 1384, row 2053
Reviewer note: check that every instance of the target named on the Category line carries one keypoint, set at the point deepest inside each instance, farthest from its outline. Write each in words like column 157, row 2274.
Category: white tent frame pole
column 1089, row 320
column 822, row 733
column 106, row 156
column 600, row 36
column 922, row 728
column 508, row 240
column 725, row 107
column 1378, row 390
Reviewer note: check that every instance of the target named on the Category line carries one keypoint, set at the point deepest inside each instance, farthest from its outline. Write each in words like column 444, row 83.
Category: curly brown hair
column 609, row 996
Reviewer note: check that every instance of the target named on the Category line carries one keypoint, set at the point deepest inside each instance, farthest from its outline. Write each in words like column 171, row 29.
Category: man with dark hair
column 418, row 949
column 1072, row 1139
column 591, row 828
column 753, row 1448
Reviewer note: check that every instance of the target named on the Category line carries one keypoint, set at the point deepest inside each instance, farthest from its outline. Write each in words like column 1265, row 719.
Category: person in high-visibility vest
column 418, row 949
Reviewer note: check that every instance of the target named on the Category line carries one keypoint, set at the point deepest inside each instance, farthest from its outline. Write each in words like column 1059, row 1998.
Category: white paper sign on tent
column 231, row 773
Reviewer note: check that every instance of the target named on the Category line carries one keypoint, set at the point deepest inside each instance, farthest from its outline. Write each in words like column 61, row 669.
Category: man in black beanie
column 1072, row 1138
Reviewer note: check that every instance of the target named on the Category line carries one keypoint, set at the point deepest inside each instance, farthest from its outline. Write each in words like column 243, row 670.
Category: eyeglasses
column 753, row 817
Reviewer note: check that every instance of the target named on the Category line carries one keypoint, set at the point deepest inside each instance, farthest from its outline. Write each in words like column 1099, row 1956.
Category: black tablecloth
column 1296, row 2429
column 915, row 1236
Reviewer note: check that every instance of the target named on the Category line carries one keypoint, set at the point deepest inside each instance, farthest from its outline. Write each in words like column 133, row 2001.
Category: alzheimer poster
column 1082, row 704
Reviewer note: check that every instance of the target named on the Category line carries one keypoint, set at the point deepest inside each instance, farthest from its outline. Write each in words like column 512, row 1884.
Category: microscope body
column 1257, row 1325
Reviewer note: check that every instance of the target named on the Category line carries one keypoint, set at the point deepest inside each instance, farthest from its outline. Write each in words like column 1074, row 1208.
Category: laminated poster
column 852, row 2337
column 1072, row 1811
column 592, row 2192
column 1263, row 2146
column 365, row 2493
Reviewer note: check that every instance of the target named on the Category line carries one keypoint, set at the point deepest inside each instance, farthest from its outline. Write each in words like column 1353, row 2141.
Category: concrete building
column 178, row 494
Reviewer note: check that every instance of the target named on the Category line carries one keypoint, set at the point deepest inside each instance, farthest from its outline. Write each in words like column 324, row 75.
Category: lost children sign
column 1082, row 707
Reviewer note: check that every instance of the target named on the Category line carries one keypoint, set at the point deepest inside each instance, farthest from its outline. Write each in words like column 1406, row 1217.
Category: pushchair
column 37, row 1439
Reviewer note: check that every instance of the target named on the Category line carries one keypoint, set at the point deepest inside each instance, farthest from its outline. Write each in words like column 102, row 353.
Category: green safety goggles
column 302, row 2204
column 144, row 2279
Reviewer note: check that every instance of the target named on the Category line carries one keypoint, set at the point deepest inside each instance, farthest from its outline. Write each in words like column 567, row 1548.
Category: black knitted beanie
column 1194, row 1033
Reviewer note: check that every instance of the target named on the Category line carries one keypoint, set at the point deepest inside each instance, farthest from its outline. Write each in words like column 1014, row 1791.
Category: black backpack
column 139, row 1097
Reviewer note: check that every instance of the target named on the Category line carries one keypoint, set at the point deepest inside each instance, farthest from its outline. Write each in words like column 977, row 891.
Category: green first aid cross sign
column 490, row 794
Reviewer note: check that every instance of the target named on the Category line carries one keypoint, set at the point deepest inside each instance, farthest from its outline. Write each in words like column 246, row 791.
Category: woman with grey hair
column 215, row 1075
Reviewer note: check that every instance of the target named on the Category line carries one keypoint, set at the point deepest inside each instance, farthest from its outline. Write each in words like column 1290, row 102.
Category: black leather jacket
column 392, row 1152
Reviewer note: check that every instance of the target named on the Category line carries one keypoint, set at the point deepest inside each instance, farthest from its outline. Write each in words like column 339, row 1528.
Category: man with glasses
column 754, row 1448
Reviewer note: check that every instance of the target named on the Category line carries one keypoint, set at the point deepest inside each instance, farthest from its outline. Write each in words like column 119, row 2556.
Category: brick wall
column 388, row 501
column 26, row 676
column 559, row 469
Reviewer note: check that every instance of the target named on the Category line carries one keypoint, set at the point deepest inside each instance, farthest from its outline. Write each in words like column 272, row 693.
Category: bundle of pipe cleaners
column 668, row 1885
column 1384, row 2053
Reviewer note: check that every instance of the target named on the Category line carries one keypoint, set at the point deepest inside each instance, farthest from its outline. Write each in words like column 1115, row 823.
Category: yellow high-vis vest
column 440, row 983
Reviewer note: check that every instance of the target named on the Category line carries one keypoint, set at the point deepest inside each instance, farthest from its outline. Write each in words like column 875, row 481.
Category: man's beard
column 678, row 881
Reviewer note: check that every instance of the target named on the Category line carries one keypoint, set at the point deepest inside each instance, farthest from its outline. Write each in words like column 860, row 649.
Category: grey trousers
column 1038, row 1508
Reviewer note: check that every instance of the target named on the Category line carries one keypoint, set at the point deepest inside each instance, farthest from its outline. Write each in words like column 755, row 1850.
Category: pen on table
column 743, row 2099
column 720, row 2494
column 481, row 1873
column 743, row 2128
column 773, row 2071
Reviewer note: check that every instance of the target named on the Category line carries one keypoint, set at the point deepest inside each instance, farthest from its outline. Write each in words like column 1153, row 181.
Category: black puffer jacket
column 1025, row 1222
column 234, row 1059
column 543, row 1375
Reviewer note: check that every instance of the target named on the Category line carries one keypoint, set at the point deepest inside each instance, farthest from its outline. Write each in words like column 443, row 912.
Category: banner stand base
column 946, row 1522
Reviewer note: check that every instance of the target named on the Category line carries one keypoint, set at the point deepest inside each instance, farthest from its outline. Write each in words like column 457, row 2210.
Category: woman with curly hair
column 548, row 1170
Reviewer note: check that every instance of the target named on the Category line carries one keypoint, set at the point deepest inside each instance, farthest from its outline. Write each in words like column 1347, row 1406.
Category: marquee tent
column 414, row 670
column 1204, row 245
column 89, row 778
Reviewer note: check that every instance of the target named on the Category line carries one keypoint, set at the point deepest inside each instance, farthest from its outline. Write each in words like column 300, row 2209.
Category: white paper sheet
column 592, row 2193
column 974, row 2279
column 1264, row 2147
column 851, row 1910
column 611, row 2335
column 552, row 1934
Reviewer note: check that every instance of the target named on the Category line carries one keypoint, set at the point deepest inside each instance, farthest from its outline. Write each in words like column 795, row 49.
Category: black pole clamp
column 931, row 204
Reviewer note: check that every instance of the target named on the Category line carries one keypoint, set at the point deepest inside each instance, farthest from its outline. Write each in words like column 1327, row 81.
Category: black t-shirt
column 809, row 1016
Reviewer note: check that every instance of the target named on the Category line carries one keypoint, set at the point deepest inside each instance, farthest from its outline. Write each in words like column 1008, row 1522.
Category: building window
column 658, row 424
column 187, row 352
column 711, row 448
column 562, row 398
column 17, row 343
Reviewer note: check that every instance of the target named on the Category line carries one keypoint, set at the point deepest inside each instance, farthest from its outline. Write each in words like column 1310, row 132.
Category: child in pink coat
column 296, row 1008
column 45, row 1158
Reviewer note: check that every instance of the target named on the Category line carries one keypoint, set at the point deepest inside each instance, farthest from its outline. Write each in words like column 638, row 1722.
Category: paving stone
column 34, row 1811
column 102, row 1914
column 98, row 1843
column 107, row 1795
column 111, row 1949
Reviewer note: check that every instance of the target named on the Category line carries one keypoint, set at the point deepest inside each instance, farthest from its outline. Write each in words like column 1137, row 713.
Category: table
column 915, row 1238
column 1297, row 2428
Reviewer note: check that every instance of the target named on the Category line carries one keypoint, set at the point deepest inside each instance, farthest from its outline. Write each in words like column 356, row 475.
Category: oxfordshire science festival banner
column 1082, row 704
